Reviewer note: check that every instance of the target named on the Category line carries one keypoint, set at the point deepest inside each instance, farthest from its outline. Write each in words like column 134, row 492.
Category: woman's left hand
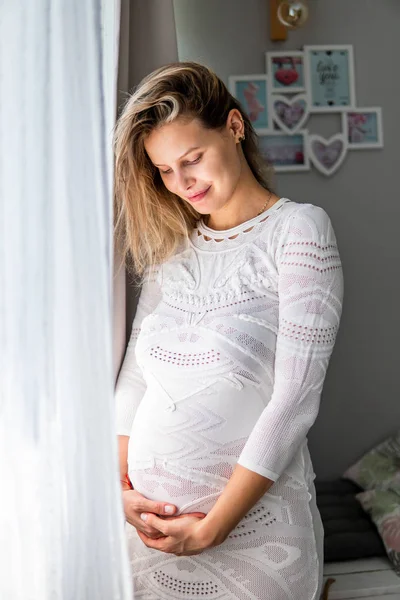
column 184, row 535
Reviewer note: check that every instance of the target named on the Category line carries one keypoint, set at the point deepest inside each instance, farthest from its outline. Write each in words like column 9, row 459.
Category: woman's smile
column 199, row 196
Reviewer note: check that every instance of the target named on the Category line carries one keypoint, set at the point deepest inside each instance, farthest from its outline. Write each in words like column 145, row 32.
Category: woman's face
column 201, row 166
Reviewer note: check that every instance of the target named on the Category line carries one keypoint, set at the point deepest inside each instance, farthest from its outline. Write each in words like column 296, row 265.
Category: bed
column 356, row 564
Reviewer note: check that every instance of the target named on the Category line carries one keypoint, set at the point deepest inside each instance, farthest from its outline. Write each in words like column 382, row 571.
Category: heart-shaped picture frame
column 327, row 155
column 290, row 114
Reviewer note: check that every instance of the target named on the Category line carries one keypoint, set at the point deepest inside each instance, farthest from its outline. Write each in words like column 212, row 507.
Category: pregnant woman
column 240, row 302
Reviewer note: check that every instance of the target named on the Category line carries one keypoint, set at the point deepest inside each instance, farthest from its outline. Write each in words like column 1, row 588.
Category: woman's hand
column 134, row 505
column 181, row 535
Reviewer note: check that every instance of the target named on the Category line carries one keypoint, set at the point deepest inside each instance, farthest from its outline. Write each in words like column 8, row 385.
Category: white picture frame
column 327, row 154
column 276, row 155
column 363, row 133
column 285, row 83
column 253, row 94
column 285, row 114
column 330, row 77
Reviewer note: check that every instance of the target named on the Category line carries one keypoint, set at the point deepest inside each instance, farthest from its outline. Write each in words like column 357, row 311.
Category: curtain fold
column 61, row 522
column 119, row 287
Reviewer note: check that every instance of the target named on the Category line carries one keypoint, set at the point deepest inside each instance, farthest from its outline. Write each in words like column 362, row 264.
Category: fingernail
column 169, row 509
column 143, row 516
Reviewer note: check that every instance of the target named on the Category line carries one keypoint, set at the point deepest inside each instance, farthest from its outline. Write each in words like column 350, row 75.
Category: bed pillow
column 384, row 509
column 349, row 532
column 378, row 468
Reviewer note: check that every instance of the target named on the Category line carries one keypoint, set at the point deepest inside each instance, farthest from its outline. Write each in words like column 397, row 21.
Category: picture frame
column 285, row 152
column 289, row 113
column 286, row 71
column 363, row 128
column 330, row 79
column 327, row 154
column 253, row 94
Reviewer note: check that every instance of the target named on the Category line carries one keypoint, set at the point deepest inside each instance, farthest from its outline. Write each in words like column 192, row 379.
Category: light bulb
column 292, row 13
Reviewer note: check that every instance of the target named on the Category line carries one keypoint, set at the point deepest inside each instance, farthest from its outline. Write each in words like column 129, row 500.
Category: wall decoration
column 286, row 71
column 292, row 13
column 290, row 114
column 362, row 127
column 252, row 93
column 327, row 155
column 325, row 77
column 330, row 78
column 285, row 152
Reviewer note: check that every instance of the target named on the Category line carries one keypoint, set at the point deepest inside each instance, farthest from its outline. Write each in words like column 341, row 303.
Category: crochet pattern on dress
column 225, row 365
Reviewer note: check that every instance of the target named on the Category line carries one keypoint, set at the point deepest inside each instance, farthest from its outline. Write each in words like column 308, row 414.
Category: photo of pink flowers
column 252, row 93
column 363, row 127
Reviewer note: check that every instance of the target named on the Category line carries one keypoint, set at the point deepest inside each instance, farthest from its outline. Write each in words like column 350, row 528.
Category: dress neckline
column 206, row 239
column 202, row 227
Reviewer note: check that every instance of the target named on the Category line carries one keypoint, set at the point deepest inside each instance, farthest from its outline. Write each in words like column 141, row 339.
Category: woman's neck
column 240, row 210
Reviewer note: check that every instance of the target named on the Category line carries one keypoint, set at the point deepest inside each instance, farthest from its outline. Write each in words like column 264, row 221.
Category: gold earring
column 243, row 137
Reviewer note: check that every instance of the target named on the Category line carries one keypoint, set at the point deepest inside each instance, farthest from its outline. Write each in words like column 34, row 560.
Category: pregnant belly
column 187, row 489
column 186, row 455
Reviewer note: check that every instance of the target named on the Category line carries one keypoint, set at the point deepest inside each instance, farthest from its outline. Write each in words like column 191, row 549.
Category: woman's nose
column 185, row 180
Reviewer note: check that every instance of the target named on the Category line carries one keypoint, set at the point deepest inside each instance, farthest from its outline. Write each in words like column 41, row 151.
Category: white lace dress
column 226, row 362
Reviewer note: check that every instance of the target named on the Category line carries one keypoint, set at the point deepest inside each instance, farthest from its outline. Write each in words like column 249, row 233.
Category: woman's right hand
column 135, row 504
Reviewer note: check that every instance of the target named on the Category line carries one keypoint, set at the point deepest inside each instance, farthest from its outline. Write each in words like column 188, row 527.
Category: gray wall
column 360, row 403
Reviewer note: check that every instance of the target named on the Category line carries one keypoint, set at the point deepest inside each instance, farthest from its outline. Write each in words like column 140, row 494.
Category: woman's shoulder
column 300, row 219
column 304, row 227
column 292, row 210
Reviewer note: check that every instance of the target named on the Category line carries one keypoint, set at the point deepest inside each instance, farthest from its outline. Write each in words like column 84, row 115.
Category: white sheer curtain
column 119, row 283
column 61, row 522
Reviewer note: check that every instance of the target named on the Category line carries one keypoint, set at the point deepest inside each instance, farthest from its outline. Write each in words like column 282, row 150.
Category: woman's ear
column 236, row 124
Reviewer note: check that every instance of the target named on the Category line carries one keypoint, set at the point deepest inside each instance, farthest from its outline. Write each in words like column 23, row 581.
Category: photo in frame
column 330, row 81
column 285, row 71
column 362, row 127
column 327, row 155
column 285, row 152
column 289, row 113
column 252, row 93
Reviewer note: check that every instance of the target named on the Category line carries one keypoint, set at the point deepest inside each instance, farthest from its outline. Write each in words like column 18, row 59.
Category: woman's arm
column 310, row 293
column 123, row 441
column 131, row 386
column 186, row 536
column 241, row 493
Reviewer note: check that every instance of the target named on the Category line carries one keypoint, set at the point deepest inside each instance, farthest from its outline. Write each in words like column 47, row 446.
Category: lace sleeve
column 310, row 289
column 131, row 386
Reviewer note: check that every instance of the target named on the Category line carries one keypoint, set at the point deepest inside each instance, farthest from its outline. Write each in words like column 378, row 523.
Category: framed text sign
column 330, row 78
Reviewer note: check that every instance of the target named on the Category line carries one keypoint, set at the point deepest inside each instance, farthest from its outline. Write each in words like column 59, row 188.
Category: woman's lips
column 198, row 196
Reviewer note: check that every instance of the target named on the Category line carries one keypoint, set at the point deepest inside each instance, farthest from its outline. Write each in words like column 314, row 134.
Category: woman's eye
column 193, row 162
column 188, row 162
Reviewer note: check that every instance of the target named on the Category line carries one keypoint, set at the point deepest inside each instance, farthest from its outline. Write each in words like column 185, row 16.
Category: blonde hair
column 150, row 222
